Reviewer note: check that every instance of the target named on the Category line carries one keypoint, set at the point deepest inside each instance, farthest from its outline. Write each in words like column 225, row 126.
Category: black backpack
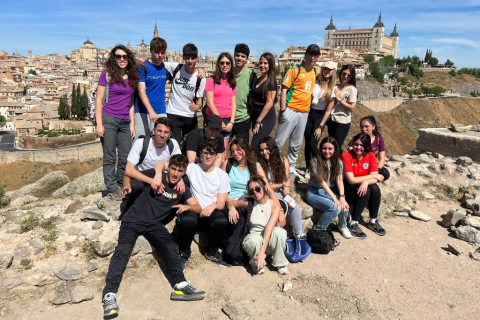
column 321, row 241
column 146, row 141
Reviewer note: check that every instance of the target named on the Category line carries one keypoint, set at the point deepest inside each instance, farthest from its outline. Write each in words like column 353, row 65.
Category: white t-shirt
column 183, row 90
column 317, row 102
column 205, row 186
column 153, row 154
column 340, row 114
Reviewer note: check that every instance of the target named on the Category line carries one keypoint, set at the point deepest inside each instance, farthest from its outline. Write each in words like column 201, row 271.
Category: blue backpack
column 297, row 250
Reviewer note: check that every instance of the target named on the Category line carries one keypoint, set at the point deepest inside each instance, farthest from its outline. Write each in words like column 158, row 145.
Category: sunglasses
column 252, row 191
column 346, row 75
column 121, row 56
column 227, row 63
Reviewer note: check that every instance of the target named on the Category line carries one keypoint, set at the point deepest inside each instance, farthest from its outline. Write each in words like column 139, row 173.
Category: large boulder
column 43, row 187
column 70, row 271
column 86, row 184
column 471, row 221
column 5, row 261
column 453, row 217
column 467, row 233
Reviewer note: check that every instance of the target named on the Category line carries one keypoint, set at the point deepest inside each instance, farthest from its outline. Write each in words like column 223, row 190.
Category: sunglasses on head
column 227, row 63
column 348, row 76
column 252, row 191
column 121, row 56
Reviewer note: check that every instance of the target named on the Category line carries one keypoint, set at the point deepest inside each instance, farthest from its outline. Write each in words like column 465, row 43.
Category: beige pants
column 253, row 242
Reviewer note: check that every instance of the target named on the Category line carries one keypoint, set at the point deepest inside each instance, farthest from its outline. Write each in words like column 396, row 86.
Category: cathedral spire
column 379, row 23
column 331, row 26
column 155, row 32
column 394, row 33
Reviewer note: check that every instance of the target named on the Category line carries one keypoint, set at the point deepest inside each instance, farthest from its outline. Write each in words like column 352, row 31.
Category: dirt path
column 405, row 275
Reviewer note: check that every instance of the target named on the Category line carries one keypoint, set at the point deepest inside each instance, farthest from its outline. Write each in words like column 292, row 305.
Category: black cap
column 214, row 121
column 313, row 48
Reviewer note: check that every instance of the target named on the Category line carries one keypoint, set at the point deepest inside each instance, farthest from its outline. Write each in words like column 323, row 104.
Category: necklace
column 262, row 206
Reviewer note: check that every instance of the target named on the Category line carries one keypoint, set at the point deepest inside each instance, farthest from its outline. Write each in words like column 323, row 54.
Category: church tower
column 377, row 35
column 395, row 37
column 155, row 32
column 328, row 37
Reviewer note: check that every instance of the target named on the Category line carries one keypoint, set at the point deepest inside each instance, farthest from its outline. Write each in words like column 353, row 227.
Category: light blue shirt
column 238, row 181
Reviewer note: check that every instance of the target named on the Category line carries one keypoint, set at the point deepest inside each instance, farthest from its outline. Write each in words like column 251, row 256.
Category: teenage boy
column 150, row 102
column 210, row 186
column 297, row 89
column 147, row 217
column 191, row 147
column 244, row 77
column 186, row 95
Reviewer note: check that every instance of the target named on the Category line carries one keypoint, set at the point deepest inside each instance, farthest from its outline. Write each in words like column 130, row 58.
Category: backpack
column 184, row 145
column 297, row 250
column 92, row 98
column 197, row 85
column 321, row 241
column 146, row 142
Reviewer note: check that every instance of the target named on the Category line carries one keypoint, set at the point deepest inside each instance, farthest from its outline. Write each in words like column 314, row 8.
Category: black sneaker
column 356, row 231
column 110, row 306
column 377, row 228
column 218, row 259
column 183, row 261
column 187, row 293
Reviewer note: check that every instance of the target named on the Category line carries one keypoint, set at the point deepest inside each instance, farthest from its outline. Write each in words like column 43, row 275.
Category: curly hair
column 276, row 163
column 209, row 145
column 178, row 160
column 217, row 75
column 112, row 68
column 242, row 48
column 320, row 168
column 251, row 163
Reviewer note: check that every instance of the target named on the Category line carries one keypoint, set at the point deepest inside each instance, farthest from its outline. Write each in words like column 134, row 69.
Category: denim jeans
column 322, row 201
column 295, row 216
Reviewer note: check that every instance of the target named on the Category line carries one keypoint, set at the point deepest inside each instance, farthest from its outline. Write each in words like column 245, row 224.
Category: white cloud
column 282, row 40
column 460, row 41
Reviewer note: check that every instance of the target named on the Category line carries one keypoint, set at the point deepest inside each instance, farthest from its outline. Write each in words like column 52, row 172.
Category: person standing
column 115, row 118
column 345, row 102
column 221, row 92
column 244, row 77
column 297, row 89
column 187, row 92
column 263, row 98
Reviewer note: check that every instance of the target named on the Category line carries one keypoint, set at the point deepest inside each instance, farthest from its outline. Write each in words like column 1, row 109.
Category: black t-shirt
column 195, row 138
column 258, row 92
column 150, row 208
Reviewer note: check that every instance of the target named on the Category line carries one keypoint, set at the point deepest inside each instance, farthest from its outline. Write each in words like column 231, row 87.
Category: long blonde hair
column 327, row 95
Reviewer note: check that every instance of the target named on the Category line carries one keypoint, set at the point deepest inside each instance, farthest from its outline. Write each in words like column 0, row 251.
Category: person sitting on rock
column 152, row 210
column 369, row 126
column 264, row 236
column 277, row 169
column 210, row 186
column 361, row 188
column 326, row 186
column 191, row 147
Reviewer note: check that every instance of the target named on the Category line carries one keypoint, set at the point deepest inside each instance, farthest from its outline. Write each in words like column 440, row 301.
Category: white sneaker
column 295, row 173
column 345, row 232
column 307, row 174
column 282, row 270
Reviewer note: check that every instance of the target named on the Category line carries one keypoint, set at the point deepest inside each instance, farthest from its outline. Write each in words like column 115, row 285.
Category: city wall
column 446, row 70
column 382, row 105
column 34, row 142
column 81, row 153
column 448, row 143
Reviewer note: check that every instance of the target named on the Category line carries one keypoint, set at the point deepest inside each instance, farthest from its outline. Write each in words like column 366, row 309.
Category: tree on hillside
column 25, row 87
column 433, row 61
column 369, row 59
column 3, row 121
column 61, row 108
column 449, row 63
column 66, row 112
column 388, row 61
column 73, row 105
column 83, row 104
column 85, row 73
column 416, row 60
column 376, row 72
column 453, row 73
column 428, row 56
column 79, row 98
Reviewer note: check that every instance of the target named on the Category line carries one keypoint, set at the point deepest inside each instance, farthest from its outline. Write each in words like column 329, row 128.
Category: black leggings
column 338, row 130
column 385, row 173
column 215, row 225
column 311, row 144
column 159, row 238
column 372, row 198
column 182, row 126
column 240, row 130
column 268, row 124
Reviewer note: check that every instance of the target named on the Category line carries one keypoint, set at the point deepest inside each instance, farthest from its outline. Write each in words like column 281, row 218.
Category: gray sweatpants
column 143, row 125
column 117, row 136
column 291, row 124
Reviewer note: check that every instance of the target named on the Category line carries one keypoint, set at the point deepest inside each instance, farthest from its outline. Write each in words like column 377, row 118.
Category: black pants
column 311, row 144
column 159, row 238
column 338, row 130
column 268, row 124
column 385, row 173
column 240, row 130
column 372, row 198
column 182, row 126
column 215, row 226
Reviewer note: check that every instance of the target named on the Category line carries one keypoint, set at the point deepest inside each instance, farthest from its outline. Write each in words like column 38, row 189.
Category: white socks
column 372, row 221
column 353, row 222
column 182, row 284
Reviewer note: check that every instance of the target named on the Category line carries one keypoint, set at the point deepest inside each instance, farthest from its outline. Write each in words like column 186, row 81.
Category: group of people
column 169, row 168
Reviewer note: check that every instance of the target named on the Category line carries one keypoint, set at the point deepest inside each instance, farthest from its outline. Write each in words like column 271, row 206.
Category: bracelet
column 231, row 123
column 342, row 196
column 260, row 123
column 340, row 100
column 320, row 126
column 283, row 185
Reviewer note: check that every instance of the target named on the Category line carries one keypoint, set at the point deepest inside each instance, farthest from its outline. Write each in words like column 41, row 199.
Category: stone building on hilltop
column 360, row 40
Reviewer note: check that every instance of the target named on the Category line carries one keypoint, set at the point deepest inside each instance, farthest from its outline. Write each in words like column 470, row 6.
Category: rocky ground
column 58, row 236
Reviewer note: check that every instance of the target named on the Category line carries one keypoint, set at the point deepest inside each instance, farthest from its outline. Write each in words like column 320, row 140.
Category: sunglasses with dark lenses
column 348, row 76
column 121, row 56
column 227, row 63
column 252, row 191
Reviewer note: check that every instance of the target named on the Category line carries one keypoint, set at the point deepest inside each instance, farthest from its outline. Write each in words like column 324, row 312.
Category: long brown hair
column 112, row 68
column 251, row 163
column 276, row 163
column 217, row 75
column 321, row 162
column 353, row 79
column 271, row 76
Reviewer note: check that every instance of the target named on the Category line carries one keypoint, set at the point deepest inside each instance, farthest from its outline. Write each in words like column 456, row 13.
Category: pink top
column 222, row 97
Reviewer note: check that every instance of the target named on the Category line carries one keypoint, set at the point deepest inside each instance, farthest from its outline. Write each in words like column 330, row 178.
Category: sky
column 450, row 29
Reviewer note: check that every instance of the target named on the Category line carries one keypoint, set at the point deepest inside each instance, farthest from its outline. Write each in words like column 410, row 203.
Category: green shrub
column 26, row 263
column 89, row 251
column 29, row 223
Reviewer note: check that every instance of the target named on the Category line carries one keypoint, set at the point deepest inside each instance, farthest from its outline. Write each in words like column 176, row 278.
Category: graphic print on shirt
column 308, row 86
column 181, row 81
column 365, row 166
column 287, row 78
column 169, row 195
column 157, row 77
